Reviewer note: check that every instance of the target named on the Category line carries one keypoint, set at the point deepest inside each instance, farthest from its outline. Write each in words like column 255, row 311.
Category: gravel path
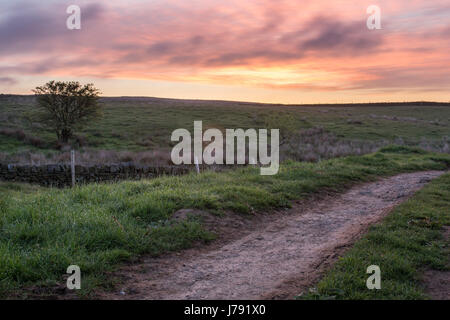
column 281, row 257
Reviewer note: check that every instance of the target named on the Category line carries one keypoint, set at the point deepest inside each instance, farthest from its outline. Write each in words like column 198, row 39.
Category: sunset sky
column 287, row 51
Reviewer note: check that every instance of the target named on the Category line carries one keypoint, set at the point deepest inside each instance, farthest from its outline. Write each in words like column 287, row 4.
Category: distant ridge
column 230, row 102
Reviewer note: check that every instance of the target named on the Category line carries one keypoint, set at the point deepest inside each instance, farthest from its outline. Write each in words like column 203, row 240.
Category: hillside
column 145, row 124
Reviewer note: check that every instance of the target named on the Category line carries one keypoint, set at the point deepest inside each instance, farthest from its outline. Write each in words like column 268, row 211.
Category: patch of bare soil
column 436, row 282
column 276, row 255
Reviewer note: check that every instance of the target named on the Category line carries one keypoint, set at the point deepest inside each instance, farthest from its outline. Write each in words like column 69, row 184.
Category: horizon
column 263, row 51
column 412, row 102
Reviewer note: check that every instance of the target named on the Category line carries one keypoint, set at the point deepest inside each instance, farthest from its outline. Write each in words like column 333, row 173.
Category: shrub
column 19, row 134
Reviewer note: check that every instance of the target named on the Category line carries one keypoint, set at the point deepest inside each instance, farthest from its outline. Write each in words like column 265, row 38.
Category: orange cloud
column 291, row 48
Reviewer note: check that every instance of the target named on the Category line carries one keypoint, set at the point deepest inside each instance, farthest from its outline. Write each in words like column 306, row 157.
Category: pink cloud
column 203, row 41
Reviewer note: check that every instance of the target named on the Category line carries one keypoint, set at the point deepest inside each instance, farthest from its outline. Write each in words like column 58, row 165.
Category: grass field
column 409, row 241
column 142, row 124
column 98, row 226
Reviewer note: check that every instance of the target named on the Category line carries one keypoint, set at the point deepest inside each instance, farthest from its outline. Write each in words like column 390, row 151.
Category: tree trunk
column 65, row 135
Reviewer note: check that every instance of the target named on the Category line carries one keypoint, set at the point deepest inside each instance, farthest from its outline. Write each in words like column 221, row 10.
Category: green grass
column 137, row 125
column 98, row 226
column 408, row 241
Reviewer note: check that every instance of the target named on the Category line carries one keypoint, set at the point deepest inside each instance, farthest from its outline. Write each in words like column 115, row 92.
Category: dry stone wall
column 59, row 175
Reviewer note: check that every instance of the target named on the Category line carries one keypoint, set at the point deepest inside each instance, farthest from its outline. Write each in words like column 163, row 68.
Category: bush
column 402, row 150
column 19, row 134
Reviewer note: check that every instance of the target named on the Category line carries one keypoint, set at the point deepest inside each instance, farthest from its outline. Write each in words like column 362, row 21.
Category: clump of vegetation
column 66, row 106
column 316, row 144
column 20, row 135
column 287, row 125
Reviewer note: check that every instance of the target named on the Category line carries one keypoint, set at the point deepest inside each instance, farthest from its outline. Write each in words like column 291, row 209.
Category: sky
column 274, row 51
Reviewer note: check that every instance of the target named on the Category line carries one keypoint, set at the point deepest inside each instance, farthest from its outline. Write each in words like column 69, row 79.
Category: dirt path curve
column 281, row 257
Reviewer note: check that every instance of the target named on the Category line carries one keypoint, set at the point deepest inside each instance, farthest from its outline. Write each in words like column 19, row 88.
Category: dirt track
column 280, row 258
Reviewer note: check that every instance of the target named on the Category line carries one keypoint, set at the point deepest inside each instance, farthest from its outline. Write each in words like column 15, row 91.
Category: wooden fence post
column 72, row 166
column 196, row 164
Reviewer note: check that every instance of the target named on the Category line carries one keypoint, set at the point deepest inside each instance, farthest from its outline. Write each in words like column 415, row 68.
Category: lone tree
column 66, row 106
